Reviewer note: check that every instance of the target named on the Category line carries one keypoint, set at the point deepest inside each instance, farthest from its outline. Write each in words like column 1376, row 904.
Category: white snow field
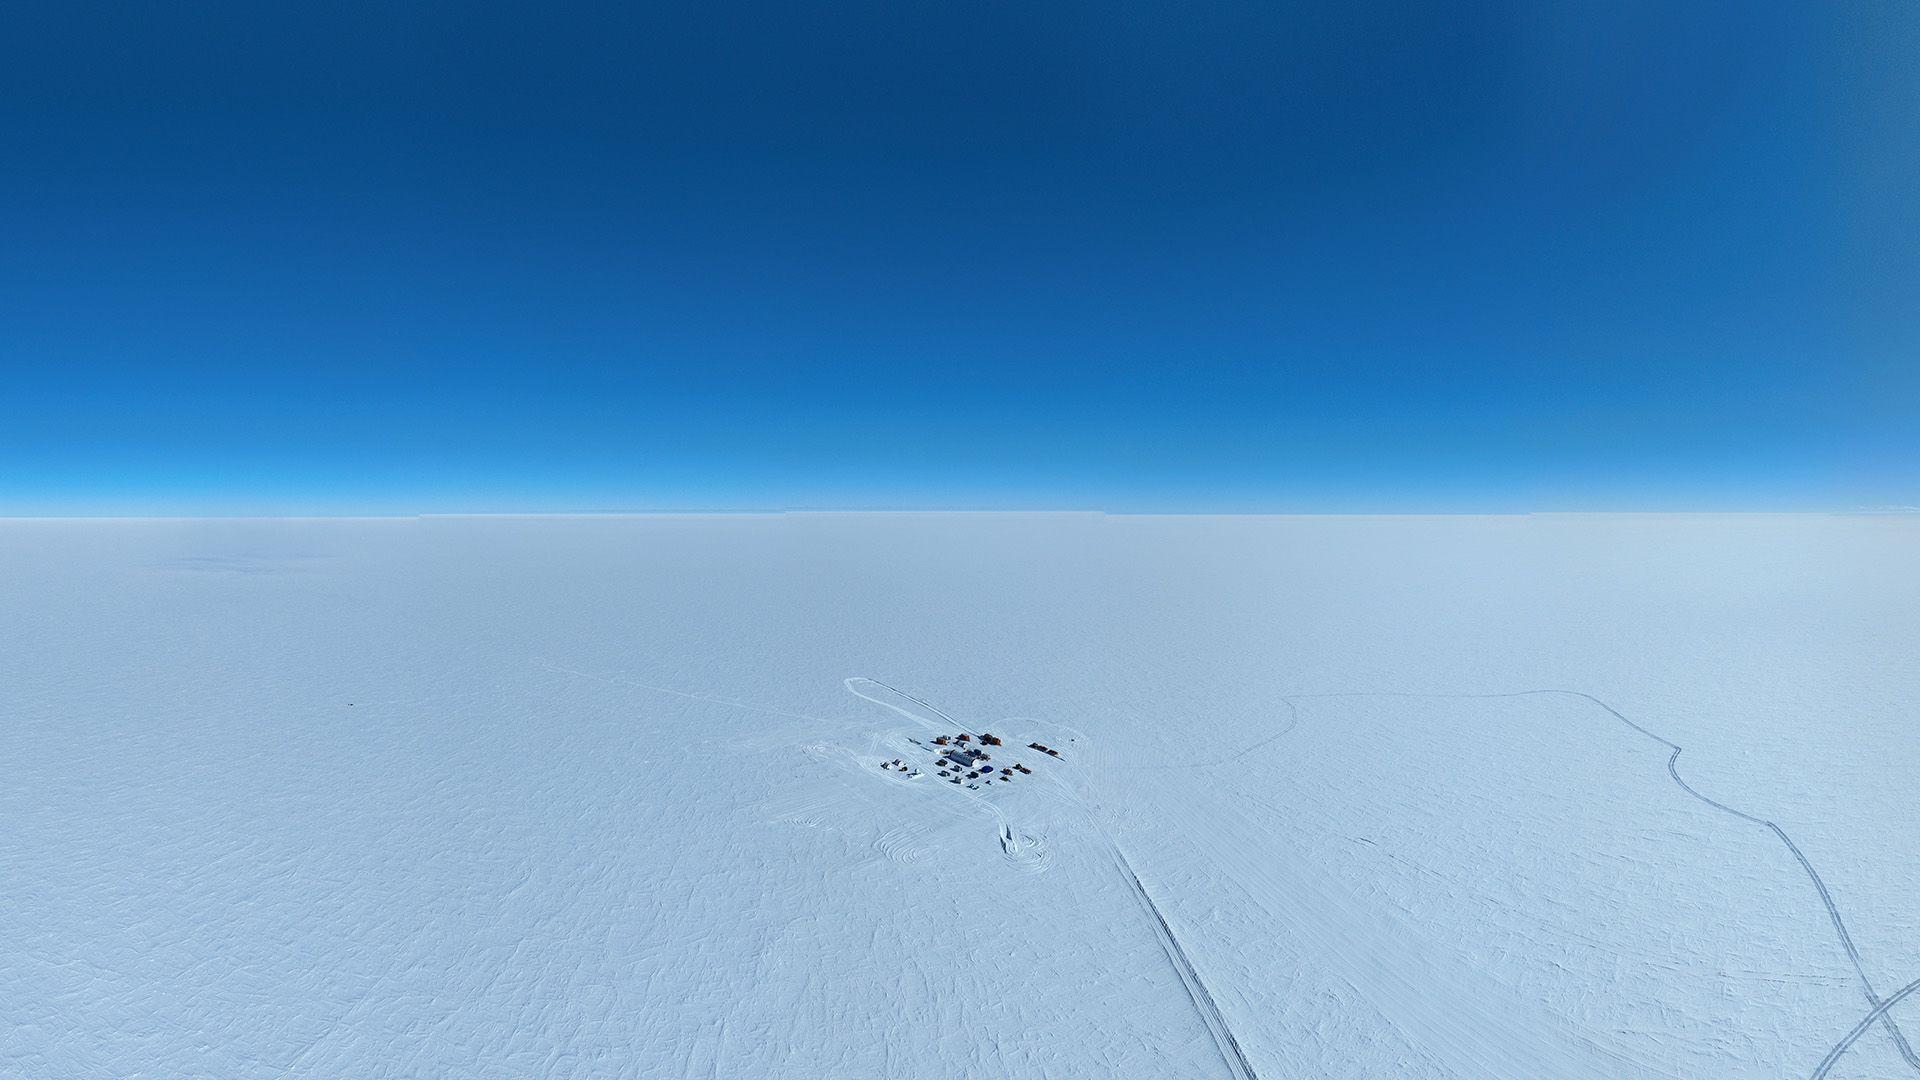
column 1523, row 797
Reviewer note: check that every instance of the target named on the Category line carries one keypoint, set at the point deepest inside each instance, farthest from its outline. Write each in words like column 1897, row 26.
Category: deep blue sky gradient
column 1140, row 256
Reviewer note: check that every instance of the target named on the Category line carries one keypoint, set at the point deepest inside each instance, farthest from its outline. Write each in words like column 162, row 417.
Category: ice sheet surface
column 1476, row 798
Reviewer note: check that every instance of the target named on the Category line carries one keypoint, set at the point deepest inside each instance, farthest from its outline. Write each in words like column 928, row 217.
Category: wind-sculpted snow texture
column 1479, row 798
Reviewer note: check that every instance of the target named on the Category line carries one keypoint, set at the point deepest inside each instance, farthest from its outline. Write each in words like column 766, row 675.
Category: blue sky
column 1143, row 256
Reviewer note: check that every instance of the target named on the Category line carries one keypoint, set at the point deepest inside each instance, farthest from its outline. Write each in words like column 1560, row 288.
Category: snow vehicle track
column 1014, row 844
column 1197, row 991
column 1029, row 852
column 1203, row 999
column 1879, row 1013
column 1820, row 886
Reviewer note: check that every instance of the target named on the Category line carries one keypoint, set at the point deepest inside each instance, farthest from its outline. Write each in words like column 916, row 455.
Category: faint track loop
column 904, row 844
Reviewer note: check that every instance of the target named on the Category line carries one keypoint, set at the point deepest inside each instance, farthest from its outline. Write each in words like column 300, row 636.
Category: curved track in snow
column 1012, row 842
column 1874, row 1000
column 1879, row 1013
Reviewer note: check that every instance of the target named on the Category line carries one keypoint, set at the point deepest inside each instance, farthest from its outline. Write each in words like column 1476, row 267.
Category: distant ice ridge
column 591, row 798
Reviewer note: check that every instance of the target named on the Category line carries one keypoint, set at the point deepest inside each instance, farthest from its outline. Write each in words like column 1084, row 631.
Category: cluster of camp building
column 960, row 761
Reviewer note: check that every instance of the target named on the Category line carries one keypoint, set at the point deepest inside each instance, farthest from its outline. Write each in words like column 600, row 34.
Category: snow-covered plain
column 1547, row 797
